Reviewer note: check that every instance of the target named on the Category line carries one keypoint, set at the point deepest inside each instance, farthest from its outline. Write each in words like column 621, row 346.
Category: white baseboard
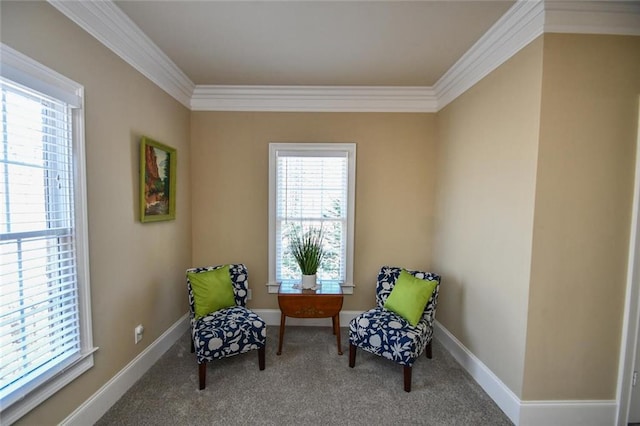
column 527, row 413
column 93, row 408
column 521, row 413
column 568, row 413
column 492, row 385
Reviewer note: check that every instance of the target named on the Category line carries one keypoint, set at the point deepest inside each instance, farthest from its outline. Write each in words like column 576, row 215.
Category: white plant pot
column 309, row 281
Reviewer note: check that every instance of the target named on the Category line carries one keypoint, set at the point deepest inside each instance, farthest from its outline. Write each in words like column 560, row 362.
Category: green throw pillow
column 410, row 296
column 212, row 290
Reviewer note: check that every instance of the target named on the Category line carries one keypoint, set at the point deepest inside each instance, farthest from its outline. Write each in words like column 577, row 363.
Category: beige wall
column 394, row 189
column 582, row 216
column 486, row 157
column 534, row 195
column 136, row 269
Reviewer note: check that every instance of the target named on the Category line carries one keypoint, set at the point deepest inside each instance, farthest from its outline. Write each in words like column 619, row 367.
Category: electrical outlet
column 137, row 333
column 249, row 294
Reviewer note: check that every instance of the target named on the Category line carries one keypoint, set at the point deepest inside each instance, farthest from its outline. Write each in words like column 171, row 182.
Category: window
column 312, row 186
column 45, row 324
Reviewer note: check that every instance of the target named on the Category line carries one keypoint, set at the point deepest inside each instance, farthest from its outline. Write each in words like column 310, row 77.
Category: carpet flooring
column 309, row 384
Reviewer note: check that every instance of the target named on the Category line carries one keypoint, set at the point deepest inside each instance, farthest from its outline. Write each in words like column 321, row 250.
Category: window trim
column 350, row 148
column 30, row 73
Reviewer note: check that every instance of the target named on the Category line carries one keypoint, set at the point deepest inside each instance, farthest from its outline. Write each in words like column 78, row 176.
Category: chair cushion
column 212, row 290
column 227, row 332
column 387, row 334
column 410, row 296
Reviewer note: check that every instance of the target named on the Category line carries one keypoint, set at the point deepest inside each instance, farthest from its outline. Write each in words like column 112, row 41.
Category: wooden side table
column 325, row 302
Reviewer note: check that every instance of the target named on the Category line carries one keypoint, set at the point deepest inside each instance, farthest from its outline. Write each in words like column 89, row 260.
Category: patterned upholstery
column 387, row 334
column 229, row 331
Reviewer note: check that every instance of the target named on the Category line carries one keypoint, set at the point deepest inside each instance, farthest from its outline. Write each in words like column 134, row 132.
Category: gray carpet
column 308, row 384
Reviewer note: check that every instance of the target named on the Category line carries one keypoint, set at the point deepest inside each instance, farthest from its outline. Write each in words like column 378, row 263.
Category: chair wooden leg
column 202, row 374
column 261, row 356
column 407, row 378
column 352, row 355
column 428, row 352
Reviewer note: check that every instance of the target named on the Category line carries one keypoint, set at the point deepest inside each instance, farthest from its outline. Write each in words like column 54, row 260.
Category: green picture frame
column 157, row 181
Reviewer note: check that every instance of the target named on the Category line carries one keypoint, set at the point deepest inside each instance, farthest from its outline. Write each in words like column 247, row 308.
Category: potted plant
column 308, row 251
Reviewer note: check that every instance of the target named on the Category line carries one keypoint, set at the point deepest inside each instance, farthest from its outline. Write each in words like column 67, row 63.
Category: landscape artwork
column 157, row 181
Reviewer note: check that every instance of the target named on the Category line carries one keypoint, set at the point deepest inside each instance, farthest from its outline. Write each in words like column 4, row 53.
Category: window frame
column 313, row 148
column 27, row 72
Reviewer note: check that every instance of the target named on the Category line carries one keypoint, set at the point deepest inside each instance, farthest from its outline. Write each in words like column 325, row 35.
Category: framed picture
column 157, row 181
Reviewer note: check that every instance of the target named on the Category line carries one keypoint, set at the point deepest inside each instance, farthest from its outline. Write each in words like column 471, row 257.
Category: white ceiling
column 319, row 43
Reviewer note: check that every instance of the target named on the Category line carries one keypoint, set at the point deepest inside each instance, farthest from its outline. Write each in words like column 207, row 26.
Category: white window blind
column 313, row 188
column 42, row 322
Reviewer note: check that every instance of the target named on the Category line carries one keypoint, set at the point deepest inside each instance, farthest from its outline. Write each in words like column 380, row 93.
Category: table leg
column 282, row 321
column 333, row 324
column 336, row 331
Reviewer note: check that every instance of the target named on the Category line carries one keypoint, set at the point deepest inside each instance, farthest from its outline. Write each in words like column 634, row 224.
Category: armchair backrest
column 387, row 280
column 239, row 279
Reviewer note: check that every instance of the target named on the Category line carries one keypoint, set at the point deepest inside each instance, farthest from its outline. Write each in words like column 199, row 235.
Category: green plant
column 307, row 249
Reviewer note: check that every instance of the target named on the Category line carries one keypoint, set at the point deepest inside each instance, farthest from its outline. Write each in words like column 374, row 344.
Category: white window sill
column 347, row 288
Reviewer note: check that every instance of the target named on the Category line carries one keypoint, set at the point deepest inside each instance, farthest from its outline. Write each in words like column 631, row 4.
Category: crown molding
column 112, row 27
column 592, row 17
column 521, row 24
column 314, row 98
column 518, row 27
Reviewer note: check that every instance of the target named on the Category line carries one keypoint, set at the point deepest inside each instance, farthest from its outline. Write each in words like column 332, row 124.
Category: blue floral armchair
column 386, row 334
column 228, row 331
